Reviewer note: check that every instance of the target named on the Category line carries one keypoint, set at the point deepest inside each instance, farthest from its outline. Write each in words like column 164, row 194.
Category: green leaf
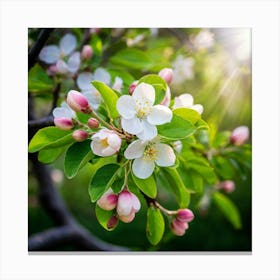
column 187, row 114
column 155, row 225
column 177, row 186
column 147, row 186
column 76, row 157
column 192, row 180
column 103, row 217
column 50, row 155
column 159, row 85
column 178, row 128
column 207, row 172
column 38, row 80
column 132, row 58
column 221, row 139
column 102, row 180
column 109, row 97
column 229, row 209
column 49, row 137
column 223, row 167
column 201, row 124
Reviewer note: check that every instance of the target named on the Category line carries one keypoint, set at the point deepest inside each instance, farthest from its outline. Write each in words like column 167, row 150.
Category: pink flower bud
column 184, row 215
column 63, row 123
column 78, row 102
column 178, row 228
column 93, row 123
column 132, row 87
column 79, row 135
column 166, row 74
column 128, row 205
column 239, row 135
column 87, row 52
column 108, row 201
column 52, row 70
column 167, row 98
column 227, row 186
column 113, row 222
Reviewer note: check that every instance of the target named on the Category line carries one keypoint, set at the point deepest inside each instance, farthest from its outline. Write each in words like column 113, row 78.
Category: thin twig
column 37, row 47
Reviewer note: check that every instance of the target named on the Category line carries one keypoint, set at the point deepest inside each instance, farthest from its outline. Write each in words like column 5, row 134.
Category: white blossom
column 139, row 115
column 53, row 54
column 147, row 154
column 105, row 143
column 91, row 93
column 185, row 100
column 182, row 69
column 203, row 40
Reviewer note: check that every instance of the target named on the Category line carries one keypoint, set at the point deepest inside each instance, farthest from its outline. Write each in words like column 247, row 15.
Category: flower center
column 104, row 142
column 143, row 108
column 150, row 153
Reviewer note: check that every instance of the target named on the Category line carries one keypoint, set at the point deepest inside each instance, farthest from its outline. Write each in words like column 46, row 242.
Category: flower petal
column 184, row 100
column 93, row 97
column 135, row 149
column 102, row 75
column 133, row 126
column 166, row 156
column 67, row 44
column 74, row 62
column 84, row 81
column 60, row 112
column 160, row 114
column 124, row 206
column 149, row 131
column 49, row 54
column 62, row 67
column 198, row 108
column 118, row 84
column 135, row 202
column 143, row 168
column 126, row 106
column 144, row 92
column 114, row 141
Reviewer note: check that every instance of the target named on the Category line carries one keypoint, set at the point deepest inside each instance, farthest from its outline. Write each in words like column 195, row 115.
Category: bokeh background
column 214, row 65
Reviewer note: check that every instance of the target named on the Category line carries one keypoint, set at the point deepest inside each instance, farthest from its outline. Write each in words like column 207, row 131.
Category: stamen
column 150, row 153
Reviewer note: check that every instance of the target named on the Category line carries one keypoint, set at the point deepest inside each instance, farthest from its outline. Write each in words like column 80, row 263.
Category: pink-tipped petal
column 67, row 44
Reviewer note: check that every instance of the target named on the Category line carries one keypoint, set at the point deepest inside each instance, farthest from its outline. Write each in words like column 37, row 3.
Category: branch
column 37, row 47
column 40, row 123
column 69, row 235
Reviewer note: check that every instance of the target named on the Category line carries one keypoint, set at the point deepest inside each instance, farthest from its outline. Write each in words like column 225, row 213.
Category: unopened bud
column 113, row 222
column 108, row 201
column 178, row 228
column 227, row 186
column 239, row 135
column 52, row 70
column 166, row 74
column 184, row 215
column 63, row 123
column 79, row 135
column 132, row 87
column 78, row 102
column 127, row 219
column 87, row 52
column 178, row 146
column 167, row 98
column 93, row 123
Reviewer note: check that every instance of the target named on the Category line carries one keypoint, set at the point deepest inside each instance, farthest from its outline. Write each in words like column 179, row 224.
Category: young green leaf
column 50, row 155
column 109, row 97
column 103, row 217
column 177, row 186
column 155, row 225
column 102, row 180
column 178, row 128
column 192, row 180
column 131, row 58
column 159, row 85
column 38, row 80
column 76, row 157
column 187, row 114
column 49, row 137
column 228, row 208
column 223, row 167
column 147, row 186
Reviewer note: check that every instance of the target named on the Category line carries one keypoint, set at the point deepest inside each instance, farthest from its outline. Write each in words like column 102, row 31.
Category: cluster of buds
column 180, row 223
column 126, row 204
